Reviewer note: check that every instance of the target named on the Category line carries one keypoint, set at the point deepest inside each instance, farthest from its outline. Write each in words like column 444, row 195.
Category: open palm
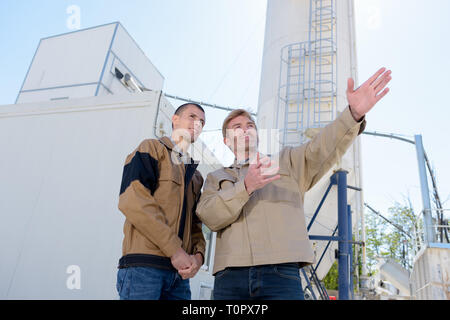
column 369, row 93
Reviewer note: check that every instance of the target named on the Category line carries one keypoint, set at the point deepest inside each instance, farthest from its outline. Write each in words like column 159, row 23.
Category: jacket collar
column 167, row 141
column 169, row 144
column 240, row 164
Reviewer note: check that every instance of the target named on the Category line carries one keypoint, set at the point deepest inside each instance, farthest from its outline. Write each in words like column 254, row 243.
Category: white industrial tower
column 309, row 52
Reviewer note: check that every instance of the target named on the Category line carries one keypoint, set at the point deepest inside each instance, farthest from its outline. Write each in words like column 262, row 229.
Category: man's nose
column 198, row 125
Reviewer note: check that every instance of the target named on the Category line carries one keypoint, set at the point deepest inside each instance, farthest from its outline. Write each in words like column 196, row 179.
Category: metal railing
column 440, row 228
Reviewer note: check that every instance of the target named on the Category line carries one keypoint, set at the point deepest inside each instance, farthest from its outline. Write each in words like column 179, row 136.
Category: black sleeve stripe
column 143, row 168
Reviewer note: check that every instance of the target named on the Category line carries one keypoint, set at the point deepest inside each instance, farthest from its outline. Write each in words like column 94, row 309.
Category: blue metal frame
column 350, row 248
column 344, row 238
column 343, row 248
column 320, row 206
column 326, row 247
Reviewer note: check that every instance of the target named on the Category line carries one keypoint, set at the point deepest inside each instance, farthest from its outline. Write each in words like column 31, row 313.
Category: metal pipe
column 349, row 247
column 343, row 259
column 204, row 103
column 428, row 222
column 320, row 205
column 387, row 220
column 325, row 250
column 388, row 135
column 422, row 160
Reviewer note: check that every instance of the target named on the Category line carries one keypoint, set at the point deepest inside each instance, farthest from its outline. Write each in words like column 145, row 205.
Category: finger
column 375, row 76
column 258, row 164
column 350, row 85
column 185, row 271
column 270, row 171
column 186, row 266
column 382, row 94
column 382, row 84
column 381, row 79
column 269, row 180
column 182, row 273
column 266, row 162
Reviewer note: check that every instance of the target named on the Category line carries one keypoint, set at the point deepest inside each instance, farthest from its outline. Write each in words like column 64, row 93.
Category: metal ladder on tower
column 307, row 90
column 323, row 55
column 295, row 59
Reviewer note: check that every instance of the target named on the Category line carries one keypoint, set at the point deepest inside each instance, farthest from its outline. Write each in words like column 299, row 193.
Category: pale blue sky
column 212, row 50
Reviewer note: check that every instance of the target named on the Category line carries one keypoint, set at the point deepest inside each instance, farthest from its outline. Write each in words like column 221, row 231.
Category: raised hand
column 258, row 174
column 368, row 94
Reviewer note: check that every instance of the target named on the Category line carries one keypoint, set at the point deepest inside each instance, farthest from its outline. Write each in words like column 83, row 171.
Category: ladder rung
column 328, row 20
column 323, row 7
column 326, row 111
column 324, row 73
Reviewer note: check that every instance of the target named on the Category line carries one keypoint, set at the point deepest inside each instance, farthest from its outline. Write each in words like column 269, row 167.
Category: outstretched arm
column 312, row 160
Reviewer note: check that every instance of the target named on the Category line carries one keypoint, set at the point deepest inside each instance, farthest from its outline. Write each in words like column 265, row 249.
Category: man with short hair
column 256, row 207
column 163, row 243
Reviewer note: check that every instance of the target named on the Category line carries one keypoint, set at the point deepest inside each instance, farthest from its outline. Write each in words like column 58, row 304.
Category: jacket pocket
column 169, row 186
column 169, row 196
column 171, row 175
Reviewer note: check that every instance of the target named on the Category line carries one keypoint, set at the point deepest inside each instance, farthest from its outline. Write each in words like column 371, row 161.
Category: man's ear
column 175, row 119
column 228, row 142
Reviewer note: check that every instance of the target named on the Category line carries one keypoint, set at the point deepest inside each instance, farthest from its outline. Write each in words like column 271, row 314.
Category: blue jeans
column 265, row 282
column 147, row 283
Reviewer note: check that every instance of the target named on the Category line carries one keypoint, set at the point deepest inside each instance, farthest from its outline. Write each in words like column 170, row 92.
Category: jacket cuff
column 241, row 192
column 347, row 118
column 172, row 246
column 202, row 254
